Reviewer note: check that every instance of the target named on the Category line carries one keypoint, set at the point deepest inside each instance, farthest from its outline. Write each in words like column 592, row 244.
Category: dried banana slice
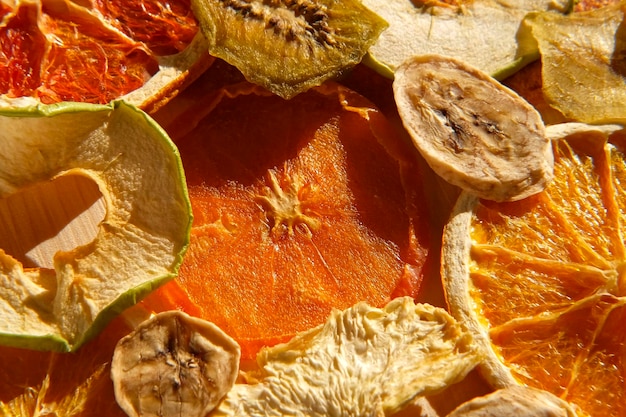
column 363, row 361
column 174, row 365
column 519, row 401
column 474, row 132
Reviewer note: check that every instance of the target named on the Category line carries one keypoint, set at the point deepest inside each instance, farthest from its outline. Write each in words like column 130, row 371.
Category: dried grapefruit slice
column 300, row 206
column 540, row 282
column 57, row 50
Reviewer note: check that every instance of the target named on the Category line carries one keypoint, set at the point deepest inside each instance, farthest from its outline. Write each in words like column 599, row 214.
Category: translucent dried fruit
column 483, row 33
column 95, row 52
column 288, row 46
column 583, row 58
column 139, row 243
column 539, row 282
column 473, row 131
column 300, row 206
column 364, row 361
column 174, row 365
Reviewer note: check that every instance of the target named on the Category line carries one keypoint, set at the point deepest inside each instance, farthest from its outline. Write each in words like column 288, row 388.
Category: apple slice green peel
column 138, row 245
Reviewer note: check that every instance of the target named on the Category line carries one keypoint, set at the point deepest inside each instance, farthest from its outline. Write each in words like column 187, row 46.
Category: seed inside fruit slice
column 483, row 33
column 139, row 243
column 288, row 46
column 540, row 281
column 473, row 131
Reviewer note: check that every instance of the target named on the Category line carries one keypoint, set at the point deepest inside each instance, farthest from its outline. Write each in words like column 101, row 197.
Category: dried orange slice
column 58, row 50
column 540, row 282
column 300, row 206
column 64, row 384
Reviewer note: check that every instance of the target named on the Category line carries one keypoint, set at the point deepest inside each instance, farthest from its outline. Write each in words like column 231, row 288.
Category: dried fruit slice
column 139, row 243
column 363, row 361
column 288, row 46
column 583, row 67
column 540, row 281
column 174, row 365
column 58, row 50
column 76, row 384
column 519, row 401
column 300, row 206
column 483, row 33
column 473, row 131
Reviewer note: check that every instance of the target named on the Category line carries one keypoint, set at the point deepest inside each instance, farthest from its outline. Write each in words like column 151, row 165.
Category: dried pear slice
column 473, row 131
column 583, row 67
column 138, row 245
column 363, row 361
column 516, row 400
column 174, row 365
column 288, row 46
column 483, row 33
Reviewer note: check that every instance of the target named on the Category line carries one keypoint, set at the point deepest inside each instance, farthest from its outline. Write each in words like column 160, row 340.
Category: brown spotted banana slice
column 363, row 361
column 473, row 131
column 174, row 365
column 519, row 401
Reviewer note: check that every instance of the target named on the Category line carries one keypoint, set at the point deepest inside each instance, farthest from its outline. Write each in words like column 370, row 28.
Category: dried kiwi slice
column 288, row 46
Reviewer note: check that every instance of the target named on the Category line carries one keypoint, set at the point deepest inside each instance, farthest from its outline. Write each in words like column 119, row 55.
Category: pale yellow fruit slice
column 174, row 365
column 363, row 361
column 139, row 243
column 518, row 401
column 483, row 33
column 473, row 132
column 583, row 68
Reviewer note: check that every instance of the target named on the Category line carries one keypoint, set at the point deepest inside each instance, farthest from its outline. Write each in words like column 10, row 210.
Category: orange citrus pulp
column 61, row 51
column 547, row 282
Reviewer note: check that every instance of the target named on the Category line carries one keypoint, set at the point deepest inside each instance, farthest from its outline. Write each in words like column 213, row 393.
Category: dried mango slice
column 363, row 361
column 485, row 34
column 474, row 132
column 583, row 63
column 138, row 245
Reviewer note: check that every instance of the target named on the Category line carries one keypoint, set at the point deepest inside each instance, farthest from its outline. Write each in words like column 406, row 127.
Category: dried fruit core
column 293, row 19
column 287, row 208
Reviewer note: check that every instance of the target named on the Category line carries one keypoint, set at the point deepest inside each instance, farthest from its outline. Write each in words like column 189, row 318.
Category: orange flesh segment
column 298, row 209
column 164, row 27
column 548, row 275
column 77, row 381
column 84, row 59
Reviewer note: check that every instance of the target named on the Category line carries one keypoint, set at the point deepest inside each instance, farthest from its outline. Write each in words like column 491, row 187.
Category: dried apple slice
column 583, row 68
column 483, row 33
column 138, row 245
